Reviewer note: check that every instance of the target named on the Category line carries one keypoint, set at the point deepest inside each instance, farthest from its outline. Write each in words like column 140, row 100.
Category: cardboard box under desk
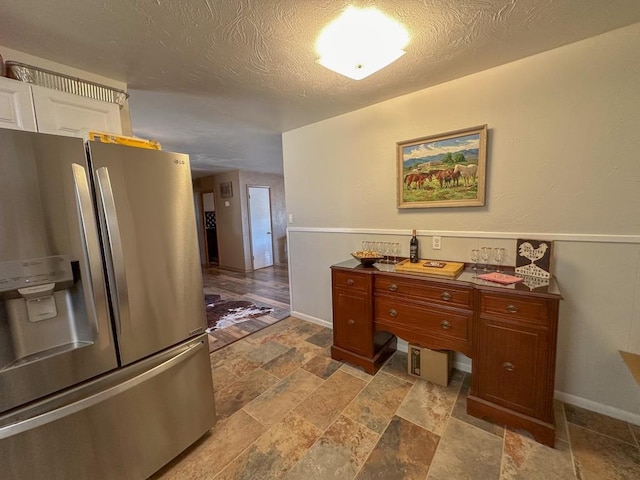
column 431, row 365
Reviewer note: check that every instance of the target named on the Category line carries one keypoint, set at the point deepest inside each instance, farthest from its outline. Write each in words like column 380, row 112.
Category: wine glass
column 395, row 250
column 498, row 255
column 485, row 253
column 386, row 252
column 475, row 256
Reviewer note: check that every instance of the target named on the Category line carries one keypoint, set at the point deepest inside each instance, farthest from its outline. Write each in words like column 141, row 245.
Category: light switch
column 291, row 218
column 226, row 203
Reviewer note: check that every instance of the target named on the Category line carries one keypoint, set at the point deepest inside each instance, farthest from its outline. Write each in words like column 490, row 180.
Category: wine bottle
column 413, row 248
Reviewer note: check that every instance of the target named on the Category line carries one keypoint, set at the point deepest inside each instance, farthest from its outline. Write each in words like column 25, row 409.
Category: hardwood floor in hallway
column 267, row 287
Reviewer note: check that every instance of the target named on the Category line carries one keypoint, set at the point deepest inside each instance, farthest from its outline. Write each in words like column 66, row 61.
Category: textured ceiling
column 221, row 80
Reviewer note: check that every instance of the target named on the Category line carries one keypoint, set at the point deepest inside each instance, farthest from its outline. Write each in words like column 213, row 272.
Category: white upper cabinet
column 16, row 106
column 64, row 113
column 24, row 106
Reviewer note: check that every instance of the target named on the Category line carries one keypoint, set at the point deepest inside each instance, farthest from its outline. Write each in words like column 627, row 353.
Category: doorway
column 210, row 228
column 260, row 226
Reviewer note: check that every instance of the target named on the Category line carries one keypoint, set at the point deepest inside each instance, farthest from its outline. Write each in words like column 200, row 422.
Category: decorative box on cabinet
column 509, row 332
column 16, row 105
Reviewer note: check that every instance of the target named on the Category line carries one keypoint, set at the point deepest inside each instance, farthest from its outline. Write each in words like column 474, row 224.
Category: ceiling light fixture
column 360, row 42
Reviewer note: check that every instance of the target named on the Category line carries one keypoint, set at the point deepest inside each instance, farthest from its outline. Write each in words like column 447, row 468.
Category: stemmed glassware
column 485, row 253
column 396, row 251
column 475, row 255
column 498, row 255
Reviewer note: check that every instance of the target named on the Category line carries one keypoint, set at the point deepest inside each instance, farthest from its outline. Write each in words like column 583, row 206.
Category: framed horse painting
column 445, row 170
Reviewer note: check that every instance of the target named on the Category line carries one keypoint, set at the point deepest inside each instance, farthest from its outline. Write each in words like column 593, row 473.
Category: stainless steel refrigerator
column 104, row 365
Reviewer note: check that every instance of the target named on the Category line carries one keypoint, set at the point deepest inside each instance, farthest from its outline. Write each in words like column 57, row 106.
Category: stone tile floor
column 288, row 411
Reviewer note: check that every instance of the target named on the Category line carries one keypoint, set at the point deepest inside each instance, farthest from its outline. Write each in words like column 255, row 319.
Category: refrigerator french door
column 145, row 204
column 55, row 328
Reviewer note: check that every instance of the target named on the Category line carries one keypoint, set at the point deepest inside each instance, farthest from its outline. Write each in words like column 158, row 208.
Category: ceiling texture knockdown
column 221, row 80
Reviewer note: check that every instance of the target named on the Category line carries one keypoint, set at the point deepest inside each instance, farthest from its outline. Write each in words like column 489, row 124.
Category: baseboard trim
column 598, row 407
column 309, row 318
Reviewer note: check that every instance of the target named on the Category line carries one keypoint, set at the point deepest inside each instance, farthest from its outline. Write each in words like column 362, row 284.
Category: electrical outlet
column 436, row 243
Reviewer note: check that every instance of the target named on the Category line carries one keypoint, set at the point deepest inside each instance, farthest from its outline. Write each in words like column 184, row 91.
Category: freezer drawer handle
column 70, row 409
column 91, row 245
column 116, row 268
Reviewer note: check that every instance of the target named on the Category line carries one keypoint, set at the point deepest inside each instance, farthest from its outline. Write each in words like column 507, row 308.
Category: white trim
column 598, row 407
column 311, row 319
column 560, row 237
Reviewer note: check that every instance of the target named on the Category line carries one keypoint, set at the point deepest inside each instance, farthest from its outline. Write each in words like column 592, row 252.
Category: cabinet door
column 352, row 324
column 16, row 105
column 63, row 113
column 512, row 365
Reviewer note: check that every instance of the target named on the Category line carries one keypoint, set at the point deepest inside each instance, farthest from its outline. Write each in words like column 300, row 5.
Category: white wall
column 562, row 165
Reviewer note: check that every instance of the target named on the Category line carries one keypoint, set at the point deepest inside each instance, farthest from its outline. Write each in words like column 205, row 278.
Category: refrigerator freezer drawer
column 128, row 430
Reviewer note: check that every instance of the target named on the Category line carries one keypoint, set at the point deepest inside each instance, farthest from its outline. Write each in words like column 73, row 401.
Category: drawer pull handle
column 508, row 366
column 512, row 309
column 445, row 325
column 351, row 321
column 393, row 312
column 393, row 287
column 446, row 296
column 350, row 282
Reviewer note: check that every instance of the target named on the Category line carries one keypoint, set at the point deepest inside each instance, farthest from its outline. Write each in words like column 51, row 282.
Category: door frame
column 268, row 187
column 203, row 227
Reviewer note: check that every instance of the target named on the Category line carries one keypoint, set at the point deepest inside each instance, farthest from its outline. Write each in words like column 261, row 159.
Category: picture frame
column 444, row 170
column 226, row 190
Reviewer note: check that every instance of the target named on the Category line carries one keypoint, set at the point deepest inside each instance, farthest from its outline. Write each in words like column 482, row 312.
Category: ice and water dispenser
column 40, row 302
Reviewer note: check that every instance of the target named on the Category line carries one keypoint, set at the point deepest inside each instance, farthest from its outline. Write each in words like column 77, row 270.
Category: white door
column 260, row 225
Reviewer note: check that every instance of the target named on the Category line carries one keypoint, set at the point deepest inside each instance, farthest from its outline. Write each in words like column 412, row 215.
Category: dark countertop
column 530, row 285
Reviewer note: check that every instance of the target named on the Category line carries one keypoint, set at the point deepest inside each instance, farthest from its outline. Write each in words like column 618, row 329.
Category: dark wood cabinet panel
column 421, row 290
column 428, row 326
column 511, row 307
column 352, row 328
column 512, row 365
column 352, row 281
column 510, row 333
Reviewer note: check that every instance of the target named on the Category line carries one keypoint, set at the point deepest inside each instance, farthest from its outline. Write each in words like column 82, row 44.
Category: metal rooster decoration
column 533, row 258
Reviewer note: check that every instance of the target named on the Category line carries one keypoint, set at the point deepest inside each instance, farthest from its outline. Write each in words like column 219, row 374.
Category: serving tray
column 449, row 269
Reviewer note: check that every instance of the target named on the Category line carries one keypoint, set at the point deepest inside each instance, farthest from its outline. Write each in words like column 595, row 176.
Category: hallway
column 266, row 287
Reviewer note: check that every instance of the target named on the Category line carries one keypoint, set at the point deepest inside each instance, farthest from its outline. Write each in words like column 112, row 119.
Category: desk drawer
column 423, row 291
column 430, row 321
column 352, row 281
column 518, row 308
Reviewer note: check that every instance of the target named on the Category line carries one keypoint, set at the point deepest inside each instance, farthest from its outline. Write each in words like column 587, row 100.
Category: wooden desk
column 510, row 332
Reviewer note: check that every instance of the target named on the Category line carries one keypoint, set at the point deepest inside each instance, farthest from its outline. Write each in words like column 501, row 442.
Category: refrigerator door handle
column 91, row 244
column 115, row 254
column 69, row 409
